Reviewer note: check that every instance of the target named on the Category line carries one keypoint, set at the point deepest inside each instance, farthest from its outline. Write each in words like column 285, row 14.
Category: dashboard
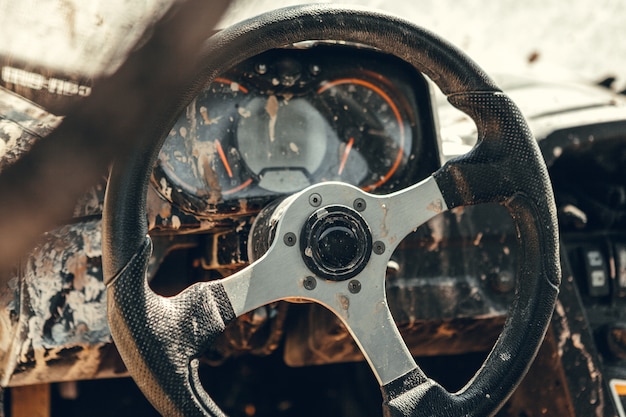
column 294, row 117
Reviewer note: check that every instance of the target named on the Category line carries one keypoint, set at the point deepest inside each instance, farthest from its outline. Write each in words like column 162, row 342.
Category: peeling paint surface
column 594, row 373
column 60, row 304
column 14, row 142
column 92, row 202
column 25, row 113
column 577, row 353
column 565, row 333
column 22, row 124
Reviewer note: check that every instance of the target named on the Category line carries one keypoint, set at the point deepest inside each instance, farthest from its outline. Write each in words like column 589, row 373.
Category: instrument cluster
column 294, row 117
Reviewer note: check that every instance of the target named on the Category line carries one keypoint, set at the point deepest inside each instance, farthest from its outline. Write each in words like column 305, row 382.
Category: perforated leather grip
column 162, row 338
column 505, row 167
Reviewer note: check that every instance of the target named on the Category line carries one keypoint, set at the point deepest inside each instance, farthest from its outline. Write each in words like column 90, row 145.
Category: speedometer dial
column 199, row 156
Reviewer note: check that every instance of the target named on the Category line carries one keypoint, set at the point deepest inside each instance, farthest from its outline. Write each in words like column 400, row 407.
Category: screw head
column 309, row 283
column 315, row 200
column 354, row 286
column 289, row 239
column 359, row 204
column 378, row 247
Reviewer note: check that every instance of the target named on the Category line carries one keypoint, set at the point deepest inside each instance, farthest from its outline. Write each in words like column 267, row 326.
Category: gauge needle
column 344, row 157
column 220, row 150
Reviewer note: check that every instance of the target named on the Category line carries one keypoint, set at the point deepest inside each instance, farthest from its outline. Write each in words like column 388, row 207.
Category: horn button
column 336, row 243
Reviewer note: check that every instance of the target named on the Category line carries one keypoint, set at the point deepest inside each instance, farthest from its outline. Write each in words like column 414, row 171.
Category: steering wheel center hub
column 336, row 243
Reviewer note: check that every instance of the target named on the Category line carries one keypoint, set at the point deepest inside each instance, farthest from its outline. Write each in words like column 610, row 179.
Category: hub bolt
column 354, row 286
column 379, row 247
column 359, row 204
column 289, row 239
column 310, row 283
column 315, row 200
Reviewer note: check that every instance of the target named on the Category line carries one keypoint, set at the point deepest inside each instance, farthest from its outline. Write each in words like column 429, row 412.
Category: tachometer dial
column 199, row 156
column 373, row 135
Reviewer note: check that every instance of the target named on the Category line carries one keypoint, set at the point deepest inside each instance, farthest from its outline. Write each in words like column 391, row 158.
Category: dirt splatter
column 64, row 310
column 533, row 57
column 272, row 110
column 212, row 180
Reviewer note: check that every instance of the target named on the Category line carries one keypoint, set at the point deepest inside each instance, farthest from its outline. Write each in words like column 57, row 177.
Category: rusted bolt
column 359, row 204
column 315, row 200
column 354, row 286
column 378, row 247
column 309, row 283
column 289, row 239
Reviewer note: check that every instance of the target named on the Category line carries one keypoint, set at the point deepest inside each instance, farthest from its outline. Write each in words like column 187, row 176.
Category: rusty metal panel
column 56, row 312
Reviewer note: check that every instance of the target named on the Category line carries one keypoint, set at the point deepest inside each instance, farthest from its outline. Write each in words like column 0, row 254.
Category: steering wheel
column 160, row 339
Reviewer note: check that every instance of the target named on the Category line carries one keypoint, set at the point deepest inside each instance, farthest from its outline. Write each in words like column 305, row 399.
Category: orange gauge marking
column 238, row 188
column 220, row 151
column 620, row 389
column 395, row 111
column 346, row 152
column 230, row 82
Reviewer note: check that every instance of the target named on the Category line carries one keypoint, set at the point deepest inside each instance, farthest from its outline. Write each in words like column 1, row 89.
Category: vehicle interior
column 323, row 210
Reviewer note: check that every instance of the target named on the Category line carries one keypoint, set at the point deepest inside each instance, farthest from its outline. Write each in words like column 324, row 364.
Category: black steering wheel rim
column 490, row 172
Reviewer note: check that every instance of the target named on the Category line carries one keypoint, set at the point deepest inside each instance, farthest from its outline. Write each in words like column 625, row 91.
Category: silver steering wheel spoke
column 404, row 211
column 367, row 317
column 360, row 303
column 305, row 262
column 283, row 273
column 276, row 276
